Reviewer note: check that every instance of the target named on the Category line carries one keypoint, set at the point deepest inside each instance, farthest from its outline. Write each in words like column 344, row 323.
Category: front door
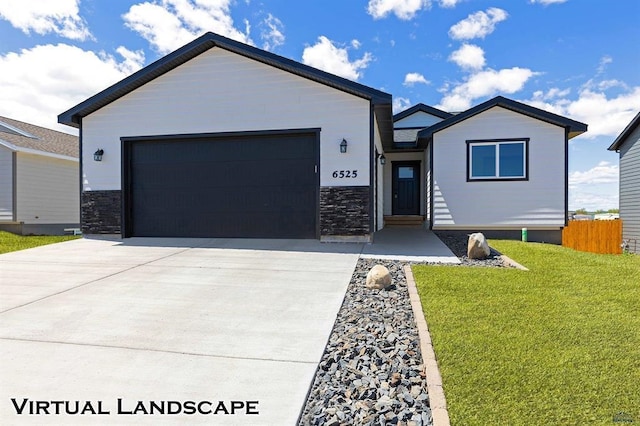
column 406, row 188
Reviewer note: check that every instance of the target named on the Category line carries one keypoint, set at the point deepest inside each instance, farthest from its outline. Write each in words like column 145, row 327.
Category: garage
column 240, row 185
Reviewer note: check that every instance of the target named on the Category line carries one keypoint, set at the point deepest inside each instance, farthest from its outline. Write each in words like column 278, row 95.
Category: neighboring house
column 221, row 139
column 628, row 145
column 39, row 179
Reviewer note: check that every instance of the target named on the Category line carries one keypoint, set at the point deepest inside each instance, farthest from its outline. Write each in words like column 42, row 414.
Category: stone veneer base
column 101, row 212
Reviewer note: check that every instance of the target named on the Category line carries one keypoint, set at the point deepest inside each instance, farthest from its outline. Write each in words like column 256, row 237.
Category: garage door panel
column 259, row 186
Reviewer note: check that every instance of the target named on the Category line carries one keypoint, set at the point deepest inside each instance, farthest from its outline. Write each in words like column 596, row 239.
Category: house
column 39, row 179
column 221, row 139
column 628, row 145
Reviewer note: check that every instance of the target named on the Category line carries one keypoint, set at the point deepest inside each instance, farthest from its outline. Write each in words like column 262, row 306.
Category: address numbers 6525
column 345, row 174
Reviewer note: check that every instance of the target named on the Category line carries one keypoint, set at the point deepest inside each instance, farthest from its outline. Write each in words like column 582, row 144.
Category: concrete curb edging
column 512, row 263
column 437, row 400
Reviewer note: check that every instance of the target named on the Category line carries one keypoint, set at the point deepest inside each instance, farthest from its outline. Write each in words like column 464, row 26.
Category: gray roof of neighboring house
column 574, row 127
column 423, row 108
column 19, row 135
column 380, row 100
column 622, row 137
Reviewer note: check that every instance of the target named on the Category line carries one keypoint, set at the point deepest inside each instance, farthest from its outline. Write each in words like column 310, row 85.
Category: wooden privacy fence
column 595, row 236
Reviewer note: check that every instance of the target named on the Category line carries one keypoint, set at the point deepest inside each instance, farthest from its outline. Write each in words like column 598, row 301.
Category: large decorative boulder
column 378, row 277
column 478, row 248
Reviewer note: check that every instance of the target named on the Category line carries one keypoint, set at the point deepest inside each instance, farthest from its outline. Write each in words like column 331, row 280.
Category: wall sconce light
column 343, row 146
column 383, row 159
column 97, row 156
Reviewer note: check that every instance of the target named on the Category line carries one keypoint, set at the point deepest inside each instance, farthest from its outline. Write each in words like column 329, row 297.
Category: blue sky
column 577, row 58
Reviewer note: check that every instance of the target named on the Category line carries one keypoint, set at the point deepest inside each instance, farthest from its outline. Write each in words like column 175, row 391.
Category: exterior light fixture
column 383, row 159
column 343, row 146
column 97, row 156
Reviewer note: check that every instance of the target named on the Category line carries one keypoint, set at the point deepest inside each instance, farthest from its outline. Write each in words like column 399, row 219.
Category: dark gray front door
column 244, row 186
column 406, row 188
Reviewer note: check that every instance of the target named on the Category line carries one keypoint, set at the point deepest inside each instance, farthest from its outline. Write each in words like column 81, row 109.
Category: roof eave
column 622, row 137
column 73, row 116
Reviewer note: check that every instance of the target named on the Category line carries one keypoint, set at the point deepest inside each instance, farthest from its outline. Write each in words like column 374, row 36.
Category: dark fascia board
column 622, row 137
column 423, row 108
column 575, row 127
column 205, row 42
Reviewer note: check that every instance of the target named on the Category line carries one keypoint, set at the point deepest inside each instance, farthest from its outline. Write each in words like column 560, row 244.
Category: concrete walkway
column 408, row 244
column 238, row 324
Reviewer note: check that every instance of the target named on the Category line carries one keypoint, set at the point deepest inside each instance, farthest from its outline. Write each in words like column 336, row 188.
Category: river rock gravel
column 371, row 372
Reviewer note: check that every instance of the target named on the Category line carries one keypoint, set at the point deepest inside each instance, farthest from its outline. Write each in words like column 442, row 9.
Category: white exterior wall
column 379, row 189
column 47, row 190
column 388, row 181
column 220, row 91
column 418, row 119
column 536, row 203
column 6, row 184
column 630, row 189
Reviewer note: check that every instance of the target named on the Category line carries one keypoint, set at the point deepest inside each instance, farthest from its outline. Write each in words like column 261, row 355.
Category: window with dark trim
column 498, row 159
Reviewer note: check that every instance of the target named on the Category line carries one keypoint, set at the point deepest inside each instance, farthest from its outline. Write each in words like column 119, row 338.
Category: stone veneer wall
column 101, row 212
column 344, row 210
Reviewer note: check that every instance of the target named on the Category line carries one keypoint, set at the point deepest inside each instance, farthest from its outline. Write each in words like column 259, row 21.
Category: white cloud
column 546, row 2
column 403, row 9
column 605, row 115
column 593, row 198
column 413, row 78
column 596, row 188
column 61, row 17
column 400, row 104
column 477, row 25
column 552, row 93
column 468, row 57
column 448, row 3
column 328, row 57
column 169, row 24
column 604, row 61
column 356, row 43
column 38, row 84
column 482, row 84
column 604, row 172
column 273, row 35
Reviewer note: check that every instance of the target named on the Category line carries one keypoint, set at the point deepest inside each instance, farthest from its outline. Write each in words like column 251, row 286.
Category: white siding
column 418, row 119
column 379, row 189
column 630, row 188
column 536, row 203
column 47, row 190
column 388, row 182
column 6, row 184
column 219, row 91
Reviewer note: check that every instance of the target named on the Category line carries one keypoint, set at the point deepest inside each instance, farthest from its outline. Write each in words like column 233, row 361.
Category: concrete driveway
column 205, row 325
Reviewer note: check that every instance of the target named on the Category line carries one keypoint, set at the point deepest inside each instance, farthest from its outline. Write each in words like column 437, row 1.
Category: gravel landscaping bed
column 371, row 372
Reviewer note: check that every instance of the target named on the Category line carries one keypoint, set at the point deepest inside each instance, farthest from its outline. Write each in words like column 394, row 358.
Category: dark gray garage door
column 232, row 186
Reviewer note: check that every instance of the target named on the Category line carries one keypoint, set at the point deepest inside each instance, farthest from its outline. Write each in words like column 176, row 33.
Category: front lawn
column 11, row 242
column 559, row 344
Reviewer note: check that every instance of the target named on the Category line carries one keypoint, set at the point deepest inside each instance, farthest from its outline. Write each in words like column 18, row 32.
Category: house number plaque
column 345, row 174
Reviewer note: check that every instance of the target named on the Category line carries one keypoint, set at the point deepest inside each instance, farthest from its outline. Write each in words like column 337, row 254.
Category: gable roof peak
column 574, row 127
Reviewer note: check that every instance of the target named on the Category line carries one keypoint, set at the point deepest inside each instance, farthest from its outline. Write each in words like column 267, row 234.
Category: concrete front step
column 403, row 220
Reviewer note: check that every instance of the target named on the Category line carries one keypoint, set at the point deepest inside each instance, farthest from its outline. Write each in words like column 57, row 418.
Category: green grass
column 556, row 345
column 11, row 242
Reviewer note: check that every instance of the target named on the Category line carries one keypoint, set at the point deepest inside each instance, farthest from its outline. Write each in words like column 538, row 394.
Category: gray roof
column 406, row 135
column 423, row 108
column 622, row 137
column 573, row 127
column 19, row 134
column 381, row 101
